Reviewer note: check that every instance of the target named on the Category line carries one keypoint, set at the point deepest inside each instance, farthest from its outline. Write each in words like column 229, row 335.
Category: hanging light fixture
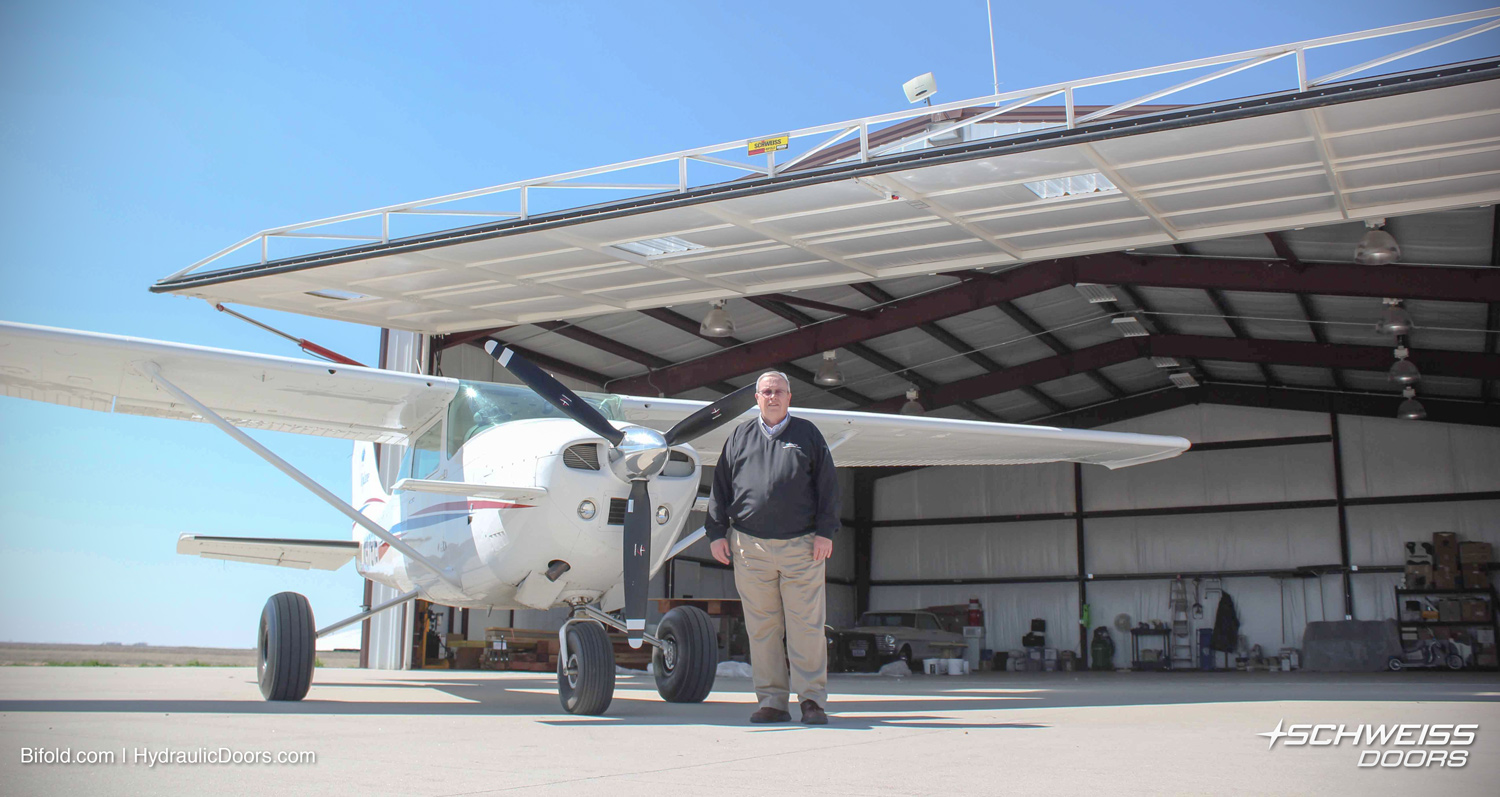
column 1404, row 372
column 912, row 406
column 1395, row 320
column 1376, row 247
column 829, row 374
column 717, row 323
column 1411, row 409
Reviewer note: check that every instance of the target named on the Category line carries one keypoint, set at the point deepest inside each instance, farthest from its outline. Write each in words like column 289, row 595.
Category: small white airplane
column 508, row 496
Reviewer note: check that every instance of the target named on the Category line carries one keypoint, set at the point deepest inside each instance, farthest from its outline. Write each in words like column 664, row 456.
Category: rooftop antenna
column 994, row 67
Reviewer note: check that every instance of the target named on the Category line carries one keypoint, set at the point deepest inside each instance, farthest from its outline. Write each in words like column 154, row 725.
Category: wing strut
column 301, row 478
column 348, row 621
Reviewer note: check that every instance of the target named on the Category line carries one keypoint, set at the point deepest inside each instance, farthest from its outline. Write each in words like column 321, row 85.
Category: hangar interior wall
column 1009, row 535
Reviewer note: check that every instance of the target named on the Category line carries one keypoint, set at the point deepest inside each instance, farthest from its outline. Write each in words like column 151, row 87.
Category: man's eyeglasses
column 773, row 393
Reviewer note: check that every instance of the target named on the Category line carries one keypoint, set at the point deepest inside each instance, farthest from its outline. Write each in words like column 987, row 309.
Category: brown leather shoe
column 768, row 714
column 812, row 713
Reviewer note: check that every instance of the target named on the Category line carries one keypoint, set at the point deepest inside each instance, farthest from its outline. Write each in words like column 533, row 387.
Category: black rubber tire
column 1454, row 661
column 586, row 679
column 907, row 657
column 285, row 647
column 686, row 672
column 1395, row 664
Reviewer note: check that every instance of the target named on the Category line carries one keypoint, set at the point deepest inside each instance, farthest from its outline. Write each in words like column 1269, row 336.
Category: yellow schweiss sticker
column 760, row 146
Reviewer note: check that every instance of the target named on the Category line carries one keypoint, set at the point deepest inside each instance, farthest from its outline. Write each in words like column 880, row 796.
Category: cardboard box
column 1476, row 611
column 1444, row 541
column 1418, row 576
column 1450, row 610
column 1475, row 576
column 1475, row 553
column 1484, row 636
column 1444, row 578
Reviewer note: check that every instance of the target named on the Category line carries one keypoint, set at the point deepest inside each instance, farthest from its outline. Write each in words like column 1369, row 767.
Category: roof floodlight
column 920, row 88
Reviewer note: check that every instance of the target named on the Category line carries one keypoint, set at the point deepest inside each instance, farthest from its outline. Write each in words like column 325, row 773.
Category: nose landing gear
column 685, row 658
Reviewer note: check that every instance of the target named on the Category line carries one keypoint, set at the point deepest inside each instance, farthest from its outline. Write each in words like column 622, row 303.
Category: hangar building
column 1244, row 271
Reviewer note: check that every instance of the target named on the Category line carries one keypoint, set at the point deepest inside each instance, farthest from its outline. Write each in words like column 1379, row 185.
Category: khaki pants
column 782, row 591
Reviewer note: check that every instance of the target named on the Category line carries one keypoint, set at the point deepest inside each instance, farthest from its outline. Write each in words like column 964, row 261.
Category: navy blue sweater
column 774, row 487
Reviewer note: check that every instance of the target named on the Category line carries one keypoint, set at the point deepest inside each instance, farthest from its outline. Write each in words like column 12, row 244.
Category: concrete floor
column 450, row 733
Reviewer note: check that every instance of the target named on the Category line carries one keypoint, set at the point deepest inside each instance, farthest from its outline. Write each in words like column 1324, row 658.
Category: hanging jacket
column 1226, row 626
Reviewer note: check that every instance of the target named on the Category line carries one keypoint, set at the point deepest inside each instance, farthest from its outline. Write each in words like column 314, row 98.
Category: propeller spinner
column 637, row 454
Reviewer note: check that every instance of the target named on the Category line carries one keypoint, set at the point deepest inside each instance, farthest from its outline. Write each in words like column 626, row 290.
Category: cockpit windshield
column 481, row 405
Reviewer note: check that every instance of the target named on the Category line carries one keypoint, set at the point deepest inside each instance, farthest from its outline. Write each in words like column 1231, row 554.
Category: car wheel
column 906, row 657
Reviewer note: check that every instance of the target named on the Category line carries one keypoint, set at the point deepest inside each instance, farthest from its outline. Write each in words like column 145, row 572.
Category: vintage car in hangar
column 911, row 636
column 852, row 650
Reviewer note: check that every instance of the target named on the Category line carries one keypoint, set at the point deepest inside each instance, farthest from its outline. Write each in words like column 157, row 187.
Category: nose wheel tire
column 687, row 660
column 586, row 678
column 285, row 647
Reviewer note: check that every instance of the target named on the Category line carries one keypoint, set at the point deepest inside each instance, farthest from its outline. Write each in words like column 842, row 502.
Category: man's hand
column 720, row 550
column 822, row 548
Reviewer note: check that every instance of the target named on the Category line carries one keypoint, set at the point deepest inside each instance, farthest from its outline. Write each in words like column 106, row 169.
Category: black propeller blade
column 712, row 417
column 637, row 560
column 555, row 393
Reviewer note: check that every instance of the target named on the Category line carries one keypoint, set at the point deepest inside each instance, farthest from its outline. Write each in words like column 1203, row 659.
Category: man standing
column 773, row 510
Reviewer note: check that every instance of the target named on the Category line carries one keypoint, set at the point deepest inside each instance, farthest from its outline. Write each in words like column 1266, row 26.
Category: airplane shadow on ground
column 855, row 703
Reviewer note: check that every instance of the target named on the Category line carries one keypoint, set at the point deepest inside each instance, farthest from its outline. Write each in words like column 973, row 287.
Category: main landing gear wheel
column 687, row 660
column 285, row 647
column 586, row 679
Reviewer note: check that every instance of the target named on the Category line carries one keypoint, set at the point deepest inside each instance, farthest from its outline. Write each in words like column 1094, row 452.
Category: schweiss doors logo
column 1414, row 746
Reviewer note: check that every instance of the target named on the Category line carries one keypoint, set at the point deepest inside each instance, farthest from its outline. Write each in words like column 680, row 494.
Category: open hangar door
column 1214, row 270
column 1298, row 516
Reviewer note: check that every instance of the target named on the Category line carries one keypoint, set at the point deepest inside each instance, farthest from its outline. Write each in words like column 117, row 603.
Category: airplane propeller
column 638, row 454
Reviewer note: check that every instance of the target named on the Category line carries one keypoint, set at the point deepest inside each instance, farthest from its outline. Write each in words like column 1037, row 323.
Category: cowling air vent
column 617, row 507
column 584, row 456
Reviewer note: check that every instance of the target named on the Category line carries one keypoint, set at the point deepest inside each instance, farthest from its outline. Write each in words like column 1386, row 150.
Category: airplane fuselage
column 494, row 546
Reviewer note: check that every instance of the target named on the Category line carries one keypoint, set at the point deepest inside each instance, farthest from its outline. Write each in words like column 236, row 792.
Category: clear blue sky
column 137, row 138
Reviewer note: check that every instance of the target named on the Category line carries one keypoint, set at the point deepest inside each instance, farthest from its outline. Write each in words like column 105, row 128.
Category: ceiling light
column 1165, row 362
column 1411, row 409
column 717, row 323
column 1183, row 379
column 912, row 406
column 1092, row 183
column 1395, row 320
column 1404, row 372
column 829, row 374
column 660, row 247
column 1129, row 327
column 1095, row 293
column 1376, row 247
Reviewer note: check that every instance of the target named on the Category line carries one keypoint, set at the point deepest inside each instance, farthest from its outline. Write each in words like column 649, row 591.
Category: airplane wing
column 255, row 391
column 877, row 439
column 301, row 554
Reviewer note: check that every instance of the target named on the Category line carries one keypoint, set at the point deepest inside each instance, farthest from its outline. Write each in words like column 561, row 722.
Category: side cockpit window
column 426, row 455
